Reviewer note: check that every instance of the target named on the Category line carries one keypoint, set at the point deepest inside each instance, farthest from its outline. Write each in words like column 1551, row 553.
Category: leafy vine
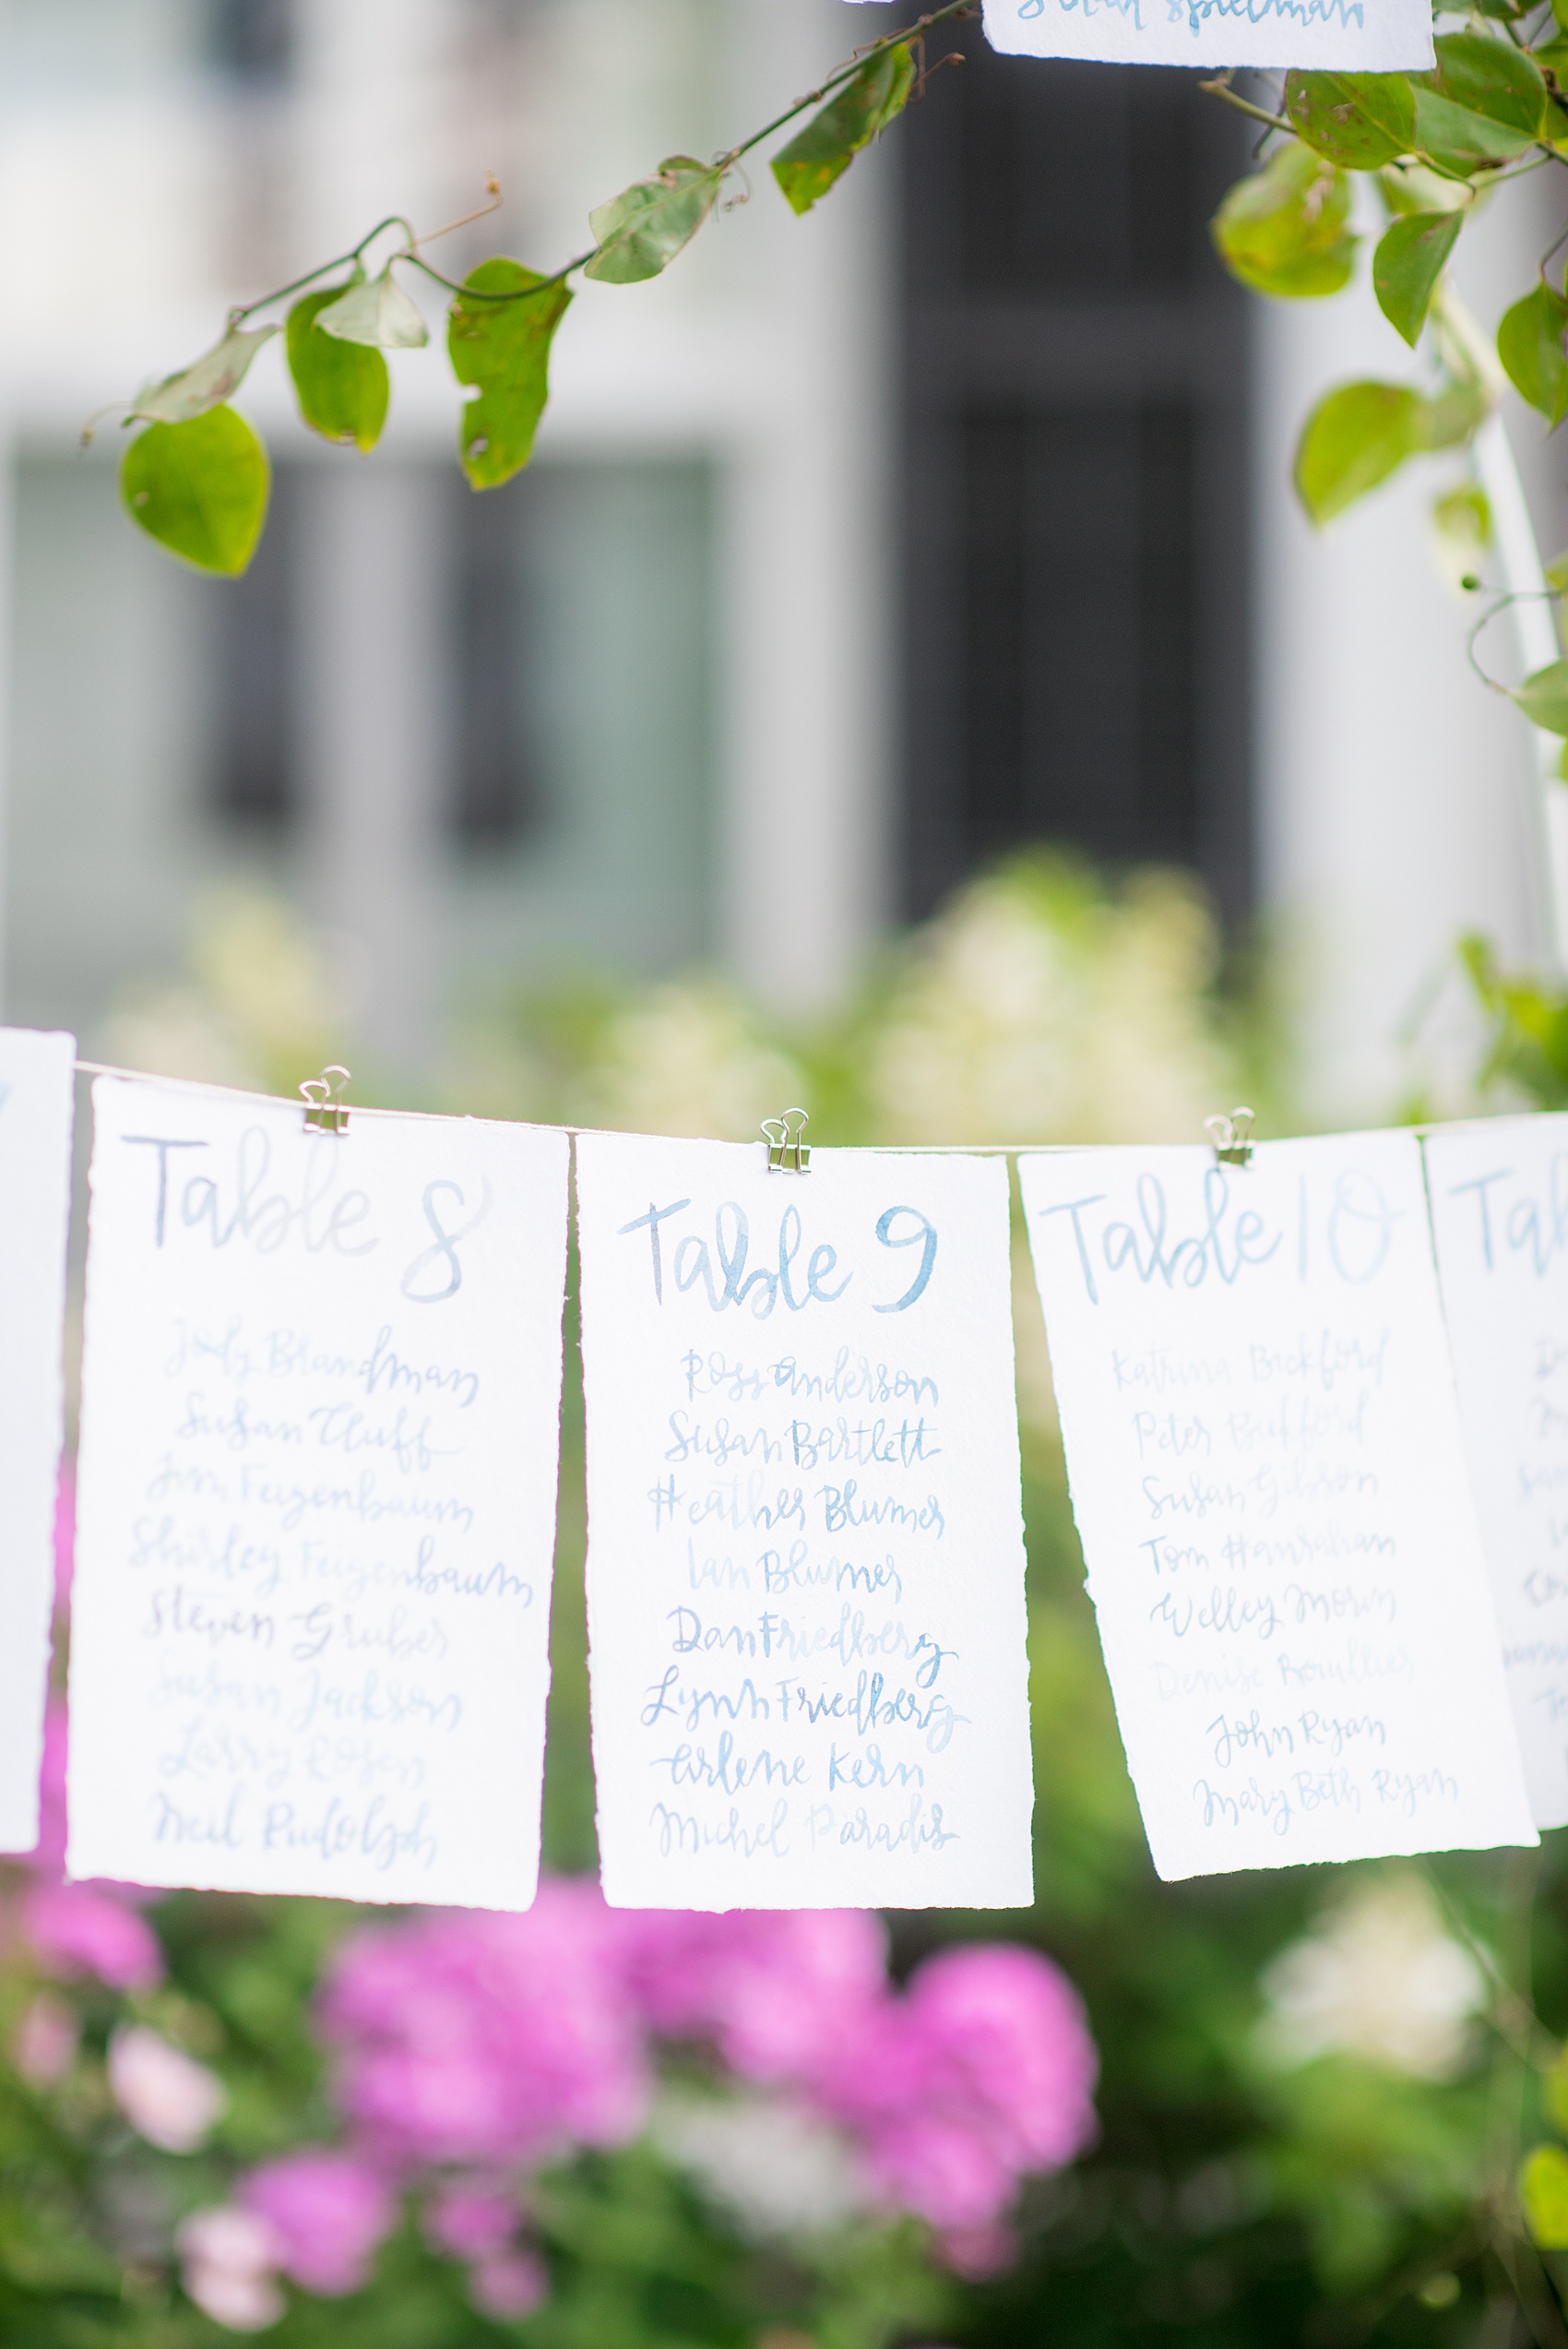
column 1492, row 110
column 196, row 476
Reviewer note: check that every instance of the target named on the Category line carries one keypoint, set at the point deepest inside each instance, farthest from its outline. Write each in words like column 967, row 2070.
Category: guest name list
column 805, row 1556
column 1262, row 1445
column 317, row 1507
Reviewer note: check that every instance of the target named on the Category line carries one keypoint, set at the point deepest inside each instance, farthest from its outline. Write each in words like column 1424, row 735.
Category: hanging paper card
column 805, row 1550
column 1346, row 36
column 317, row 1501
column 37, row 1082
column 1499, row 1195
column 1263, row 1446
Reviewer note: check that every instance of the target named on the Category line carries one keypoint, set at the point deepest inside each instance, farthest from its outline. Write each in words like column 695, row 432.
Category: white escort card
column 317, row 1501
column 805, row 1566
column 1346, row 36
column 1262, row 1445
column 1499, row 1196
column 36, row 1089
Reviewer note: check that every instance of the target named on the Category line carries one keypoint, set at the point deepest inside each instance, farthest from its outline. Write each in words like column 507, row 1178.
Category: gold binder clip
column 1228, row 1136
column 787, row 1154
column 326, row 1111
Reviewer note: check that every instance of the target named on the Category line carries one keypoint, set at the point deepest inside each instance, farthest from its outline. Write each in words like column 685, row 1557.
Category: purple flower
column 167, row 2098
column 228, row 2257
column 65, row 1538
column 982, row 2071
column 474, row 2037
column 47, row 1859
column 1007, row 2042
column 327, row 2213
column 512, row 2284
column 44, row 2043
column 77, row 1930
column 471, row 2219
column 498, row 2041
column 779, row 1992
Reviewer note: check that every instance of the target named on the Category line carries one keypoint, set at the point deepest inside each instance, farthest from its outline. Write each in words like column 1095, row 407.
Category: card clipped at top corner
column 320, row 1406
column 805, row 1568
column 1263, row 1446
column 1340, row 36
column 1499, row 1192
column 37, row 1099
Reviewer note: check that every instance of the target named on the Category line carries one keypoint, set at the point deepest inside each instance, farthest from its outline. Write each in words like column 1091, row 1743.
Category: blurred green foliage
column 1527, row 1044
column 1291, row 2151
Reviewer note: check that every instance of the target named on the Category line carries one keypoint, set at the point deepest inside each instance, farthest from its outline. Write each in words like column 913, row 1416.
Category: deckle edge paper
column 37, row 1118
column 1261, row 1440
column 1497, row 1191
column 316, row 1527
column 780, row 1467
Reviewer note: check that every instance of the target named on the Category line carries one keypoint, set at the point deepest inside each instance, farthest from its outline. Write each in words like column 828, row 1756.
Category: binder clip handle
column 1228, row 1136
column 786, row 1153
column 325, row 1111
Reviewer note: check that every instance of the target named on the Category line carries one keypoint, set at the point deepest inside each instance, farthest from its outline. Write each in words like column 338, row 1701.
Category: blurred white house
column 857, row 548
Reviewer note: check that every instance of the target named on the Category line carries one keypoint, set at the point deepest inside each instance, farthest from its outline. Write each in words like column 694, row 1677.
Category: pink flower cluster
column 953, row 2091
column 78, row 1929
column 470, row 2048
column 473, row 2037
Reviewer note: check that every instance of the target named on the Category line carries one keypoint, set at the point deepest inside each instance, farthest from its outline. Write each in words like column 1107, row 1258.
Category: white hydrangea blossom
column 1381, row 1979
column 689, row 1058
column 1038, row 1010
column 780, row 2172
column 266, row 996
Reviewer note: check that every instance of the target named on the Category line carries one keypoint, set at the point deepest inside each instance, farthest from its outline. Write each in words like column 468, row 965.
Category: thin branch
column 1516, row 2020
column 904, row 39
column 1530, row 595
column 481, row 212
column 1551, row 249
column 907, row 36
column 1220, row 88
column 341, row 261
column 513, row 294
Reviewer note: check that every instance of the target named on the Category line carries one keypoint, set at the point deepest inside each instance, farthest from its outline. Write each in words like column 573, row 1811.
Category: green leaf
column 1414, row 187
column 1358, row 121
column 1557, row 577
column 205, row 385
column 1488, row 75
column 1458, row 140
column 641, row 231
column 379, row 313
column 343, row 387
column 1406, row 268
column 852, row 117
column 199, row 489
column 1461, row 531
column 1543, row 698
column 1354, row 438
column 1484, row 103
column 1529, row 344
column 1284, row 231
column 1452, row 417
column 503, row 349
column 1552, row 56
column 1543, row 2179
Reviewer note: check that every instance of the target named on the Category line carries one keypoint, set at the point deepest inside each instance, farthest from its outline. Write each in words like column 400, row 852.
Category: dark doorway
column 1075, row 507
